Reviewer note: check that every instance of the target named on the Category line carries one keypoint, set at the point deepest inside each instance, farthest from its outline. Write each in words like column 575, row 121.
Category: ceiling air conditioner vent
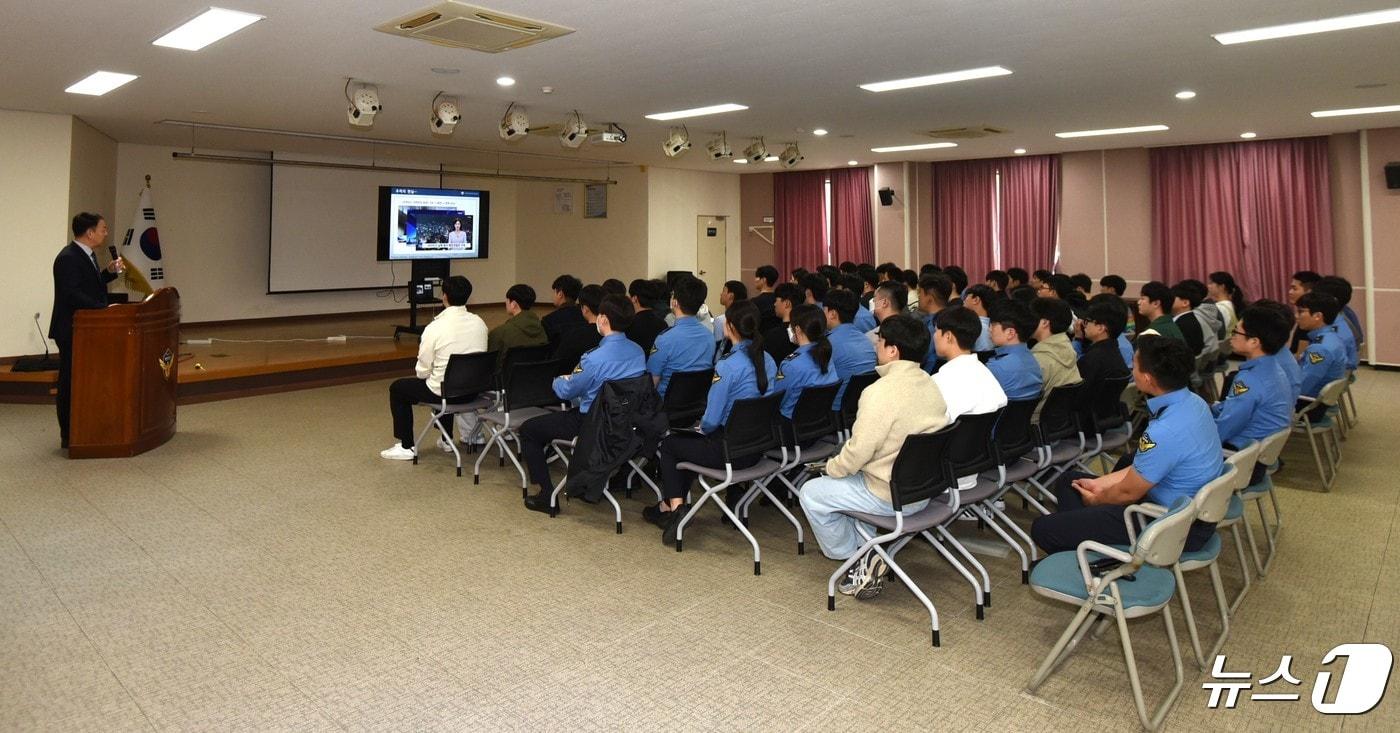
column 964, row 133
column 460, row 25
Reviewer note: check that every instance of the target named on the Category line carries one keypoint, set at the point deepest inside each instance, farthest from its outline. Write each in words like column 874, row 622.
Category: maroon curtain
column 799, row 220
column 1260, row 210
column 852, row 226
column 1030, row 211
column 964, row 199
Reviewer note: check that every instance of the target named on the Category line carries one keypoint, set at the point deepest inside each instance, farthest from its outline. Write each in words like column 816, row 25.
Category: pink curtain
column 964, row 199
column 1260, row 210
column 852, row 225
column 1030, row 211
column 799, row 220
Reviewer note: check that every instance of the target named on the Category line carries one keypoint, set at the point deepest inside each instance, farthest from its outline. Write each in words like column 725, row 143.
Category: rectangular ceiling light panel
column 1356, row 111
column 210, row 26
column 1340, row 23
column 696, row 112
column 99, row 83
column 1112, row 131
column 906, row 148
column 944, row 78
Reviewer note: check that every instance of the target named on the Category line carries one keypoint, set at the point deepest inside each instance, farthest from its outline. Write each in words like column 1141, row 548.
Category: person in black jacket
column 78, row 282
column 566, row 314
column 1183, row 312
column 577, row 341
column 648, row 324
column 1103, row 321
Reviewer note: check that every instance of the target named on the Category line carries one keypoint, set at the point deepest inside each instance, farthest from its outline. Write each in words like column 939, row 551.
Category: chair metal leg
column 913, row 588
column 958, row 566
column 988, row 517
column 1016, row 528
column 986, row 579
column 1065, row 645
column 1270, row 532
column 1218, row 586
column 1253, row 546
column 1028, row 499
column 763, row 489
column 1191, row 632
column 1244, row 569
column 617, row 509
column 1155, row 721
column 1317, row 458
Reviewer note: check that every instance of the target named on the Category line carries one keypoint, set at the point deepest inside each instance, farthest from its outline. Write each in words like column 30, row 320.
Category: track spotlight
column 790, row 156
column 677, row 142
column 364, row 104
column 574, row 132
column 719, row 148
column 445, row 115
column 756, row 151
column 515, row 124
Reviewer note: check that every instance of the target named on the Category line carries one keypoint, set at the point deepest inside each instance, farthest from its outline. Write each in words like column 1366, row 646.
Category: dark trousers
column 1073, row 522
column 701, row 450
column 535, row 437
column 403, row 395
column 65, row 388
column 1256, row 474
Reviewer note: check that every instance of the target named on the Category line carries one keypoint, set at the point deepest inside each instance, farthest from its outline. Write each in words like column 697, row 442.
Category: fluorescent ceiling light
column 1248, row 135
column 921, row 146
column 742, row 161
column 852, row 162
column 1019, row 151
column 1113, row 131
column 505, row 81
column 771, row 159
column 1186, row 94
column 1356, row 111
column 819, row 132
column 100, row 82
column 930, row 80
column 696, row 112
column 206, row 28
column 1340, row 23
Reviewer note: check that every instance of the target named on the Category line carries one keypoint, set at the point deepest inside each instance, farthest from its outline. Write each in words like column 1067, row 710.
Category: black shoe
column 654, row 515
column 539, row 503
column 672, row 521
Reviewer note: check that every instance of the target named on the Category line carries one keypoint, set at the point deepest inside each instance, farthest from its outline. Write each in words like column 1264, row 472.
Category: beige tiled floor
column 266, row 570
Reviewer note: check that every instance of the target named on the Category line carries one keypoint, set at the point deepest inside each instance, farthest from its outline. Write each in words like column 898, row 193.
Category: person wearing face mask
column 687, row 346
column 808, row 366
column 578, row 340
column 615, row 357
column 891, row 298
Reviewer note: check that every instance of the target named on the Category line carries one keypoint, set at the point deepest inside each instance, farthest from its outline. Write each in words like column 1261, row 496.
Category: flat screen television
column 433, row 223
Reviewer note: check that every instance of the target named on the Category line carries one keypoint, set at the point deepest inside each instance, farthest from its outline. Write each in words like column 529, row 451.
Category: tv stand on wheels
column 426, row 276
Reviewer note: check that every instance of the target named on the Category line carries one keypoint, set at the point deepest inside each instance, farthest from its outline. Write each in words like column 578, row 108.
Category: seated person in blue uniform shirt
column 1176, row 455
column 616, row 357
column 1341, row 290
column 1011, row 363
column 979, row 299
column 1325, row 359
column 851, row 352
column 810, row 365
column 1259, row 401
column 934, row 291
column 747, row 371
column 1283, row 359
column 865, row 319
column 686, row 346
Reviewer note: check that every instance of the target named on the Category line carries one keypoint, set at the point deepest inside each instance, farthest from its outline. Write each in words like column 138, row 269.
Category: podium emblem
column 166, row 360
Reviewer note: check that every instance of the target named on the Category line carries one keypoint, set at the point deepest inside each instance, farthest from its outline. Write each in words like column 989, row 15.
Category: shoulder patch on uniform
column 780, row 375
column 653, row 349
column 578, row 369
column 1315, row 357
column 791, row 356
column 715, row 378
column 1238, row 388
column 1145, row 443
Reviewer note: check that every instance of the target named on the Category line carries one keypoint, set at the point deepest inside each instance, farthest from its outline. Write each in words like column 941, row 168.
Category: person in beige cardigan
column 902, row 402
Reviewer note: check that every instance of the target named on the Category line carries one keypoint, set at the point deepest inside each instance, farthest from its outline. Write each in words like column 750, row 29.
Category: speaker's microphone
column 42, row 337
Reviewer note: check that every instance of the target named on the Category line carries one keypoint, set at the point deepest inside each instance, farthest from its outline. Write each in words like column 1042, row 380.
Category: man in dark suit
column 78, row 282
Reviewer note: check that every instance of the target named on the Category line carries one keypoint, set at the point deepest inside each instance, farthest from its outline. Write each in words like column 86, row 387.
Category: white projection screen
column 324, row 227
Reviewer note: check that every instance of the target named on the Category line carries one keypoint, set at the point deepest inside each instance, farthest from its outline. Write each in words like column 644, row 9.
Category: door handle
column 702, row 272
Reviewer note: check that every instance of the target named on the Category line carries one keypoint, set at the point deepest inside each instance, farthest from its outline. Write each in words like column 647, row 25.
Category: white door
column 711, row 256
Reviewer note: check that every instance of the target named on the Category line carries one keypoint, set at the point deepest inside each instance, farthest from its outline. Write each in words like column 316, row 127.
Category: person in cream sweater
column 902, row 402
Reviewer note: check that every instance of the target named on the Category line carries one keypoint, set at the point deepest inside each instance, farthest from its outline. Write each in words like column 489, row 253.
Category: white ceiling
column 1079, row 64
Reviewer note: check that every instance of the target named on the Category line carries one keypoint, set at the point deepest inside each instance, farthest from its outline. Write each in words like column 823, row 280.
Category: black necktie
column 93, row 256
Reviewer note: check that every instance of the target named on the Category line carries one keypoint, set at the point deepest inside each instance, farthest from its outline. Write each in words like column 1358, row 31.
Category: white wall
column 92, row 171
column 675, row 199
column 213, row 220
column 34, row 216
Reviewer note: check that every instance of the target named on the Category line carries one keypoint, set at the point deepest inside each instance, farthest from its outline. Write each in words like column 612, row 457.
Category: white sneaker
column 398, row 453
column 445, row 446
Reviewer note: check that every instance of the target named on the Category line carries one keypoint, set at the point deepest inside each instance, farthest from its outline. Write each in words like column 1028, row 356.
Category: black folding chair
column 921, row 472
column 684, row 404
column 1103, row 416
column 752, row 431
column 1060, row 439
column 850, row 401
column 527, row 391
column 467, row 377
column 1017, row 459
column 971, row 452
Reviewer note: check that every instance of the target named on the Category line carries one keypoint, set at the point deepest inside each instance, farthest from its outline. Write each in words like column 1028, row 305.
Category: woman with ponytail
column 1228, row 297
column 747, row 371
column 810, row 365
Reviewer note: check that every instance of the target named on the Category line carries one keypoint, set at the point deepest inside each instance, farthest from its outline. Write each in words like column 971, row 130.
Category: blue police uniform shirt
column 1349, row 342
column 1293, row 374
column 734, row 380
column 615, row 357
column 851, row 353
column 1017, row 371
column 984, row 339
column 1324, row 361
column 865, row 320
column 685, row 347
column 1125, row 347
column 1258, row 404
column 1179, row 452
column 798, row 372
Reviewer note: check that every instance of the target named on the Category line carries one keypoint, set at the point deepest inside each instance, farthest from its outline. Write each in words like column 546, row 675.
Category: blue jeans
column 824, row 497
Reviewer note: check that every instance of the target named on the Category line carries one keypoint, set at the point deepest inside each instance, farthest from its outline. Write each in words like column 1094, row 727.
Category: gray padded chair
column 1326, row 427
column 1269, row 452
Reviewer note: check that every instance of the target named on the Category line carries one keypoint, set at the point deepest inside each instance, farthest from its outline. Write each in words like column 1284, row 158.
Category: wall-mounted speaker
column 1392, row 175
column 886, row 196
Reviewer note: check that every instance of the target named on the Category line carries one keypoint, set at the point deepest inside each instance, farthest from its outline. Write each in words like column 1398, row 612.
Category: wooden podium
column 125, row 368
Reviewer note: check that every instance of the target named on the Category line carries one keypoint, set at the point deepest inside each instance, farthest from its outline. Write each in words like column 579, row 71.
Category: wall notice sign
column 595, row 201
column 563, row 200
column 711, row 231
